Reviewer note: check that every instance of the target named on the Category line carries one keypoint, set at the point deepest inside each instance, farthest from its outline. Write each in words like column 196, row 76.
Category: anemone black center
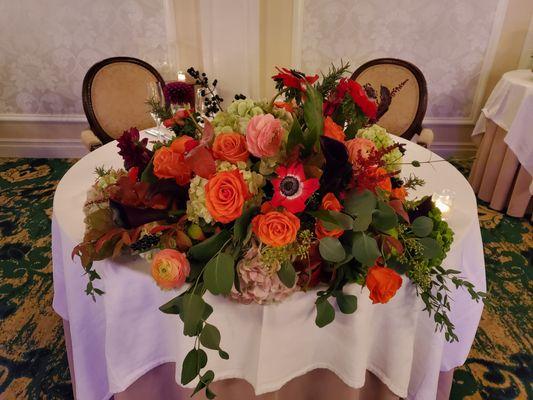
column 289, row 186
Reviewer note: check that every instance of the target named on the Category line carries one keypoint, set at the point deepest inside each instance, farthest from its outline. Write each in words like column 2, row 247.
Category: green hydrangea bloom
column 236, row 117
column 382, row 139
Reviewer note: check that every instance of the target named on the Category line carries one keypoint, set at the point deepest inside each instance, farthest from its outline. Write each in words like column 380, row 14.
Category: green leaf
column 210, row 337
column 192, row 310
column 223, row 354
column 360, row 204
column 209, row 394
column 219, row 274
column 287, row 274
column 362, row 222
column 204, row 381
column 422, row 226
column 313, row 117
column 347, row 303
column 325, row 313
column 432, row 248
column 296, row 135
column 148, row 173
column 365, row 249
column 240, row 228
column 331, row 249
column 205, row 250
column 194, row 361
column 173, row 306
column 384, row 218
column 333, row 219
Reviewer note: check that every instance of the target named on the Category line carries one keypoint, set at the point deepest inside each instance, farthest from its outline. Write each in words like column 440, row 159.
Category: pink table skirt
column 497, row 176
column 319, row 384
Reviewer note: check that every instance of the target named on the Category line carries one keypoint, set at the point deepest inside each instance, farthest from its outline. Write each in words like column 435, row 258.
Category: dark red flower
column 293, row 79
column 291, row 189
column 179, row 93
column 133, row 150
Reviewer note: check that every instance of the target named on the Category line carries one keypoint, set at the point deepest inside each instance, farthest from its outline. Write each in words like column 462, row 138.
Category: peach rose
column 383, row 283
column 230, row 146
column 182, row 144
column 276, row 228
column 225, row 194
column 264, row 135
column 332, row 130
column 359, row 147
column 170, row 268
column 171, row 164
column 330, row 203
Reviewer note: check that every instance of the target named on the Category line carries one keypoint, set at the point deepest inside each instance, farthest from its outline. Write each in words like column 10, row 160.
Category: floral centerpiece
column 269, row 198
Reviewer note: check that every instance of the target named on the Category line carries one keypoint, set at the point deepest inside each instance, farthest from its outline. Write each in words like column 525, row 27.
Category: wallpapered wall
column 46, row 47
column 447, row 40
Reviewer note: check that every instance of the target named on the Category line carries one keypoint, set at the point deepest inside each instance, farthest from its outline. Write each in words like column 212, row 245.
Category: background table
column 501, row 174
column 122, row 336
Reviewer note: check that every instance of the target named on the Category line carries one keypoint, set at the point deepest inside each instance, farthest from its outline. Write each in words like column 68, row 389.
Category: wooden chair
column 114, row 98
column 408, row 89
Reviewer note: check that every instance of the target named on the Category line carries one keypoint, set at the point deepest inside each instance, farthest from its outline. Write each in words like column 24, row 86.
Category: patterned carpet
column 33, row 362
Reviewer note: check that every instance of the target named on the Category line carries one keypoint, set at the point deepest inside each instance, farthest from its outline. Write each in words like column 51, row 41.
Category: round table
column 501, row 174
column 122, row 336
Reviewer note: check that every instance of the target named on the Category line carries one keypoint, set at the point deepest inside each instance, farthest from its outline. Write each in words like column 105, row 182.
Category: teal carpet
column 33, row 362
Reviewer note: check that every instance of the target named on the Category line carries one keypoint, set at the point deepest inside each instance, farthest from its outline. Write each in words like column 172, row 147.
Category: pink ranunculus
column 263, row 135
column 170, row 268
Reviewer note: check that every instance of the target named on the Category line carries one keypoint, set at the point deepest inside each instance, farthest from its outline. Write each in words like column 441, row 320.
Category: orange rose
column 170, row 268
column 330, row 203
column 399, row 193
column 276, row 228
column 383, row 283
column 230, row 146
column 333, row 131
column 171, row 165
column 289, row 107
column 179, row 145
column 225, row 194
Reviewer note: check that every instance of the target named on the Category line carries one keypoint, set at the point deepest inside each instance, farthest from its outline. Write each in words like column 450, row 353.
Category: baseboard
column 454, row 149
column 42, row 148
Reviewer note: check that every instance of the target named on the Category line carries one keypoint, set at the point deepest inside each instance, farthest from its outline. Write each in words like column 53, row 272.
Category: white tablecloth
column 123, row 335
column 510, row 106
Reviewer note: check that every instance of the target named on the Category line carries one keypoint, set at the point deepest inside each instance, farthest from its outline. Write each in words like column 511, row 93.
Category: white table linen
column 123, row 334
column 510, row 106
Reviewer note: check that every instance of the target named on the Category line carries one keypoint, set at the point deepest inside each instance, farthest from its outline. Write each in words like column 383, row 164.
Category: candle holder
column 444, row 201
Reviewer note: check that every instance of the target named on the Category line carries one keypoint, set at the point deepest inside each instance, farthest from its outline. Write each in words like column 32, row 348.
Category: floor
column 33, row 362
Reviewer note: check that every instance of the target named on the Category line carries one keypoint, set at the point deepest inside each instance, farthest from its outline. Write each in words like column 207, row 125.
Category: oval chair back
column 407, row 87
column 114, row 95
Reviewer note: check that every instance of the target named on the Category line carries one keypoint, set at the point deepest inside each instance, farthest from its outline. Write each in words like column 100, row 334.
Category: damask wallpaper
column 47, row 46
column 446, row 39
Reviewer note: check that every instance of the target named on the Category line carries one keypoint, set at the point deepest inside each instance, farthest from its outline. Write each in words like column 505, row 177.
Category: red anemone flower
column 294, row 79
column 291, row 189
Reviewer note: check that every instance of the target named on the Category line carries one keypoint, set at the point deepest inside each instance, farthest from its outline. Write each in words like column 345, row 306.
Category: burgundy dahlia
column 179, row 93
column 133, row 150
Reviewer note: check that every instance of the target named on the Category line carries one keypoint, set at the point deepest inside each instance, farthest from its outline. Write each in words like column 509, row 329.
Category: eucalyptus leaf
column 173, row 306
column 325, row 313
column 333, row 219
column 219, row 274
column 362, row 203
column 331, row 249
column 384, row 218
column 432, row 248
column 287, row 274
column 365, row 249
column 362, row 222
column 422, row 226
column 205, row 250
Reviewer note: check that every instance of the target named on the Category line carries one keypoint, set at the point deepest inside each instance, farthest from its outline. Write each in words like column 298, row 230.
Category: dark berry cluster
column 240, row 96
column 211, row 99
column 179, row 93
column 396, row 182
column 145, row 243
